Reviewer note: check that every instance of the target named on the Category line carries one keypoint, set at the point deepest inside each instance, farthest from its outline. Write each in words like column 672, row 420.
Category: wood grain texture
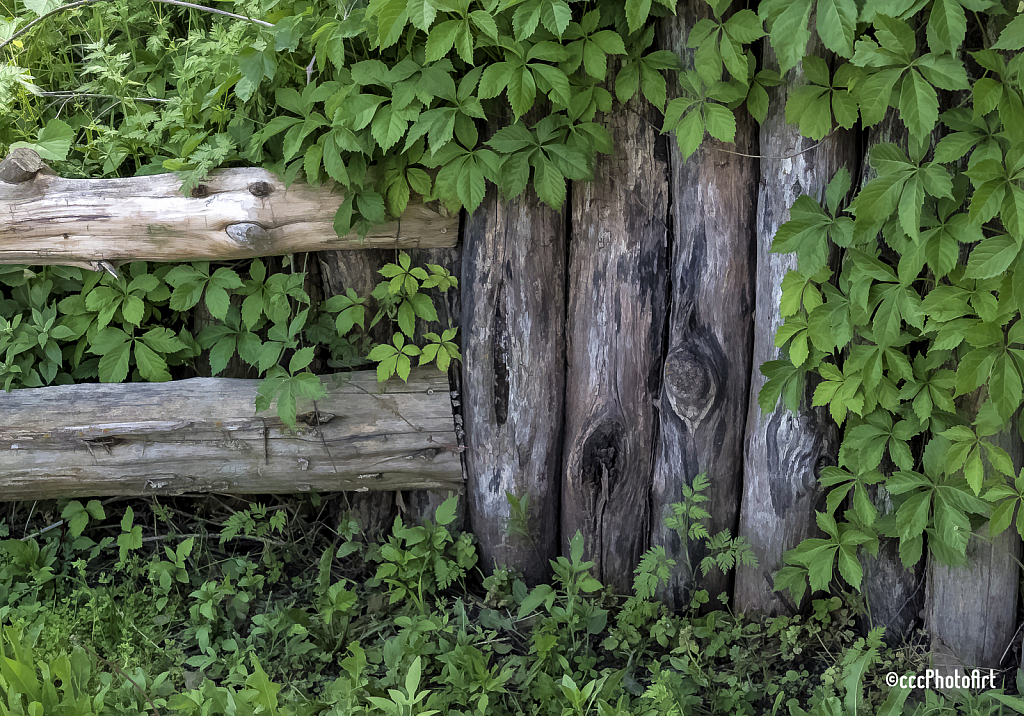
column 616, row 324
column 201, row 435
column 706, row 380
column 237, row 213
column 785, row 452
column 513, row 375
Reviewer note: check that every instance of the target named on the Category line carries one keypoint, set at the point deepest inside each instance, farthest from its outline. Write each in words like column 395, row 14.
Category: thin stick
column 80, row 3
column 788, row 156
column 90, row 95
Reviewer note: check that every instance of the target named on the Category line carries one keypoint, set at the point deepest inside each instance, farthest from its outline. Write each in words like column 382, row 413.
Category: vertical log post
column 616, row 325
column 513, row 375
column 893, row 593
column 357, row 270
column 785, row 452
column 971, row 610
column 705, row 385
column 422, row 504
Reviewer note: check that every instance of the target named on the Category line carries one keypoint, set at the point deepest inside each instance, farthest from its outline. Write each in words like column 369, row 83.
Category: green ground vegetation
column 225, row 605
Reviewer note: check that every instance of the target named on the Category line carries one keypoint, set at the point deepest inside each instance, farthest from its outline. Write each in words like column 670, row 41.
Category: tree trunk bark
column 513, row 375
column 201, row 435
column 784, row 451
column 705, row 385
column 616, row 326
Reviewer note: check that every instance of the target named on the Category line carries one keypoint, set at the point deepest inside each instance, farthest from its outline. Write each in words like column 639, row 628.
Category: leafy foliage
column 65, row 324
column 283, row 614
column 913, row 338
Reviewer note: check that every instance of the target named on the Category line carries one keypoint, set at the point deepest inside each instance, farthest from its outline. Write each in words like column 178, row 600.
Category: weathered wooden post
column 513, row 375
column 705, row 385
column 785, row 452
column 617, row 297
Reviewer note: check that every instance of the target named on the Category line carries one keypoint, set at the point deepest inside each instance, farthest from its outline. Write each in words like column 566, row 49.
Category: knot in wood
column 250, row 234
column 690, row 385
column 199, row 191
column 260, row 189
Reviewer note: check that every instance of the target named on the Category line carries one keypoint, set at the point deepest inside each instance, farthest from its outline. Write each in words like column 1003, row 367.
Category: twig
column 309, row 70
column 262, row 540
column 788, row 156
column 80, row 3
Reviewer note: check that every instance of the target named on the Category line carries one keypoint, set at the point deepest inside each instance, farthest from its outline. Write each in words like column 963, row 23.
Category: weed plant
column 282, row 606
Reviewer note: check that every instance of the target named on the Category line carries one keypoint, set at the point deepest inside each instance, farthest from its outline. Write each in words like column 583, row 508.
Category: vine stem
column 80, row 3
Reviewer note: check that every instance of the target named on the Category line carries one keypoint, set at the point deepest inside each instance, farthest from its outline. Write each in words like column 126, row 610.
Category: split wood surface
column 237, row 213
column 202, row 435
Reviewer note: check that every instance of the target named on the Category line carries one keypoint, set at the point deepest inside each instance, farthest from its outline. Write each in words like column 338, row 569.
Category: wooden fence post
column 784, row 451
column 705, row 386
column 513, row 375
column 894, row 593
column 617, row 285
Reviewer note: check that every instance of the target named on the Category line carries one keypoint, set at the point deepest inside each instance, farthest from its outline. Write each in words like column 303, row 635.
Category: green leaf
column 636, row 14
column 947, row 26
column 836, row 22
column 301, row 358
column 1012, row 36
column 918, row 105
column 992, row 257
column 53, row 143
column 113, row 366
column 521, row 90
column 789, row 22
column 151, row 366
column 720, row 121
column 421, row 14
column 549, row 183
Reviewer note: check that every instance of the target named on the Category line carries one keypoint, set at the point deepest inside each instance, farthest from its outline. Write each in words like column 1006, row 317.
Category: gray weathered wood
column 616, row 324
column 513, row 375
column 237, row 213
column 22, row 165
column 784, row 451
column 706, row 379
column 202, row 435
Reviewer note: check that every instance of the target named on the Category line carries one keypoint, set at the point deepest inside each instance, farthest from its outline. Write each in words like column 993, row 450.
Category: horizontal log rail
column 237, row 213
column 202, row 435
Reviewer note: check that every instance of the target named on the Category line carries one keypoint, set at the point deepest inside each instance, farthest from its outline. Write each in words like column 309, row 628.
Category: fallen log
column 202, row 435
column 237, row 213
